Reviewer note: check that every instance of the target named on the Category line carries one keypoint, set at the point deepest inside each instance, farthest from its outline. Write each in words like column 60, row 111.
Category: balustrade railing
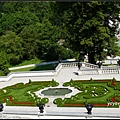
column 110, row 71
column 90, row 65
column 89, row 72
column 75, row 64
column 93, row 69
column 89, row 69
column 71, row 64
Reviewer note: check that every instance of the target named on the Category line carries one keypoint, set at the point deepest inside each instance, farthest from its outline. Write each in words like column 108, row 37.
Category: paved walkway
column 51, row 110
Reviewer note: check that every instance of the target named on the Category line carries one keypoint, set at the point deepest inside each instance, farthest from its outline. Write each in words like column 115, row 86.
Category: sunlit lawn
column 37, row 68
column 87, row 93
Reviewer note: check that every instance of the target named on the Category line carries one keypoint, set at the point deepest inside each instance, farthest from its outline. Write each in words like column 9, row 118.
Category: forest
column 50, row 31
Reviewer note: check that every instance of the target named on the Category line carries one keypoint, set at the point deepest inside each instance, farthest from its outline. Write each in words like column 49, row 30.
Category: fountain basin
column 56, row 91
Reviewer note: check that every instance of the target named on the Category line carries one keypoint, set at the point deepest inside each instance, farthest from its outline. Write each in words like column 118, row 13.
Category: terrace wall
column 86, row 69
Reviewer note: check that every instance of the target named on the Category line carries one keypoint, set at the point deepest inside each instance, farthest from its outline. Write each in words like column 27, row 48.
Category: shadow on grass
column 44, row 67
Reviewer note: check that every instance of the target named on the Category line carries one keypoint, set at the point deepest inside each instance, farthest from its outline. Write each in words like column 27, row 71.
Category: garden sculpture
column 1, row 107
column 79, row 65
column 89, row 108
column 5, row 72
column 118, row 62
column 41, row 107
column 60, row 60
column 99, row 64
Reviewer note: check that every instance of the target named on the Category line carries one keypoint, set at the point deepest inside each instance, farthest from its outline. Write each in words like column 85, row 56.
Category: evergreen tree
column 89, row 29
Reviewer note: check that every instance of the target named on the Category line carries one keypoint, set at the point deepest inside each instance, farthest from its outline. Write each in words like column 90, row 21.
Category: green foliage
column 92, row 93
column 96, row 92
column 4, row 71
column 44, row 100
column 30, row 81
column 30, row 37
column 113, row 79
column 87, row 29
column 55, row 51
column 28, row 62
column 91, row 80
column 66, row 84
column 27, row 31
column 71, row 82
column 49, row 30
column 23, row 94
column 11, row 48
column 54, row 83
column 58, row 101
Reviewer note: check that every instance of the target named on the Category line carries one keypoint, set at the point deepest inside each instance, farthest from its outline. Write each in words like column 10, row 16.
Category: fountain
column 56, row 91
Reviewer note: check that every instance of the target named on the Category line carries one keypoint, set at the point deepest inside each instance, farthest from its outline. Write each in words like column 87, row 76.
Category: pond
column 56, row 91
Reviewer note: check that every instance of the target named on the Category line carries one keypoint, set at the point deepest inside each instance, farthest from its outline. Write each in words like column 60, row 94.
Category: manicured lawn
column 28, row 62
column 97, row 92
column 21, row 92
column 37, row 68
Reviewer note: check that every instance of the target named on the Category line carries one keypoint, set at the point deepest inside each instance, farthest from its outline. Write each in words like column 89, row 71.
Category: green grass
column 28, row 62
column 86, row 94
column 92, row 92
column 36, row 68
column 19, row 92
column 21, row 96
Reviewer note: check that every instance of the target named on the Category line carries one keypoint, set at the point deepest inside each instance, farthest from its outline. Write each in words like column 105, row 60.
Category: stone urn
column 1, row 107
column 89, row 108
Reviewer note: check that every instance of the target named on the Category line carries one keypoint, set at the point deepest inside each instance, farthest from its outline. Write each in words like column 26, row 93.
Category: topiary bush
column 44, row 100
column 66, row 84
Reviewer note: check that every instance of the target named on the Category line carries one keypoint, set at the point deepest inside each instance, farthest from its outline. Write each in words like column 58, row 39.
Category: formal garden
column 100, row 93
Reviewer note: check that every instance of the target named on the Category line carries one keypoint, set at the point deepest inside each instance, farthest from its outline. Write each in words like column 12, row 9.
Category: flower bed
column 113, row 99
column 73, row 105
column 81, row 105
column 93, row 80
column 92, row 91
column 23, row 103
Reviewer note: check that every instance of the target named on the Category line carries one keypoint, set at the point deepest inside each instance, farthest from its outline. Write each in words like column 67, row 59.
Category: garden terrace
column 100, row 93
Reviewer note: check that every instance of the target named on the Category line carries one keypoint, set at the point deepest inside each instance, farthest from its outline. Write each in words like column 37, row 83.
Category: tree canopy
column 53, row 30
column 89, row 28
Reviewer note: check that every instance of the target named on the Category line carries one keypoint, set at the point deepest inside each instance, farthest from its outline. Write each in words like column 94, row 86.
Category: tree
column 89, row 29
column 11, row 48
column 30, row 42
column 56, row 52
column 16, row 18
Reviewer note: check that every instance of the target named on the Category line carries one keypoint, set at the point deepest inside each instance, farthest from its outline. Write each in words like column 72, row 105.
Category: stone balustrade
column 27, row 74
column 71, row 64
column 93, row 69
column 110, row 71
column 88, row 72
column 89, row 65
column 87, row 69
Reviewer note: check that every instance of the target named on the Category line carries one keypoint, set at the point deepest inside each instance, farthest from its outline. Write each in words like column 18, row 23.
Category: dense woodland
column 57, row 30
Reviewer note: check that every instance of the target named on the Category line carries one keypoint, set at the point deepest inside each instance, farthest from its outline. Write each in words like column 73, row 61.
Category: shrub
column 30, row 81
column 91, row 80
column 44, row 100
column 66, row 84
column 57, row 101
